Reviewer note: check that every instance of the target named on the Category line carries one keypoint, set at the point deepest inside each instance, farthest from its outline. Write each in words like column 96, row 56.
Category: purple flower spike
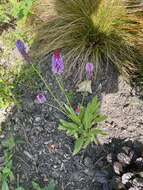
column 57, row 63
column 22, row 49
column 40, row 98
column 89, row 70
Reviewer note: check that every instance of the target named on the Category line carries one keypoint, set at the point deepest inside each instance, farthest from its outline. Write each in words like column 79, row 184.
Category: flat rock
column 127, row 177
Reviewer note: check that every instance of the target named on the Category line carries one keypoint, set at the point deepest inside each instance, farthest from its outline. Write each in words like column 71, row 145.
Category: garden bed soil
column 46, row 152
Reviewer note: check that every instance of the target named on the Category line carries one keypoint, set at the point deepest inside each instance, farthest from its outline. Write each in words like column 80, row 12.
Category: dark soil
column 46, row 153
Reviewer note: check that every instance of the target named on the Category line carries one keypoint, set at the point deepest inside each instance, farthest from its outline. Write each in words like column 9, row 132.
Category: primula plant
column 82, row 122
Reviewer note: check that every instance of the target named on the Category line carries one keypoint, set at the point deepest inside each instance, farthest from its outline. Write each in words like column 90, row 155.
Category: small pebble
column 126, row 149
column 118, row 168
column 123, row 158
column 126, row 177
column 109, row 158
column 139, row 162
column 28, row 155
column 138, row 182
column 88, row 162
column 133, row 188
column 101, row 177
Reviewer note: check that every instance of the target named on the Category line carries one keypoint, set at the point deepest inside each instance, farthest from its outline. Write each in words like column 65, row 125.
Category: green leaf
column 100, row 118
column 97, row 131
column 70, row 128
column 9, row 143
column 68, row 124
column 87, row 142
column 7, row 172
column 82, row 111
column 20, row 188
column 5, row 185
column 78, row 145
column 36, row 186
column 91, row 112
column 72, row 115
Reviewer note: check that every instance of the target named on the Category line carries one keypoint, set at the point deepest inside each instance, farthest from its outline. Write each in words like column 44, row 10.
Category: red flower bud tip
column 57, row 62
column 77, row 111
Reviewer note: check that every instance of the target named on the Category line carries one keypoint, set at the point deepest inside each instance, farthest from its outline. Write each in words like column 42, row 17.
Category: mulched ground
column 47, row 153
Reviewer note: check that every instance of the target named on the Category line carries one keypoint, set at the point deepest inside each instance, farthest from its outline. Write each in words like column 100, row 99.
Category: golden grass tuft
column 97, row 31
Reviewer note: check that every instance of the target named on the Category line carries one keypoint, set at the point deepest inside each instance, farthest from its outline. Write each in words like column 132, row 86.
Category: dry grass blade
column 97, row 31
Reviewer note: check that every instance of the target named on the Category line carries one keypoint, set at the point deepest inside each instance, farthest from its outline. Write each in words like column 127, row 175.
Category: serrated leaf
column 85, row 86
column 70, row 128
column 78, row 145
column 91, row 112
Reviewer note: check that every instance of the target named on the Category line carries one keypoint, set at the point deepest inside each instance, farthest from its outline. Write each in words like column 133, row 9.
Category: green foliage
column 83, row 127
column 6, row 174
column 10, row 74
column 4, row 18
column 13, row 9
column 13, row 81
column 51, row 186
column 5, row 185
column 25, row 77
column 6, row 96
column 19, row 188
column 21, row 9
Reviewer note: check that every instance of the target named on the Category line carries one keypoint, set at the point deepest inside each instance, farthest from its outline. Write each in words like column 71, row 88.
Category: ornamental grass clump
column 97, row 31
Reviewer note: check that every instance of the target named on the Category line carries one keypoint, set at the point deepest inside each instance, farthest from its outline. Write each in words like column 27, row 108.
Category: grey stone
column 138, row 182
column 118, row 168
column 123, row 158
column 126, row 177
column 101, row 177
column 126, row 149
column 109, row 158
column 88, row 162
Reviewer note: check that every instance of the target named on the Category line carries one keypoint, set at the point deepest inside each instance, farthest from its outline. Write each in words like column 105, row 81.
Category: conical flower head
column 89, row 70
column 57, row 63
column 22, row 49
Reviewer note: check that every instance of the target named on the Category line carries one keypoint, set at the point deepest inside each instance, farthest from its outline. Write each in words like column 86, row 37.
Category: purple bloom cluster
column 57, row 63
column 22, row 49
column 89, row 70
column 40, row 98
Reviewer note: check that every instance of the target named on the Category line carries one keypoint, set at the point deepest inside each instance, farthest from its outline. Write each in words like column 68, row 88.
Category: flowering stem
column 63, row 91
column 48, row 88
column 56, row 108
column 83, row 98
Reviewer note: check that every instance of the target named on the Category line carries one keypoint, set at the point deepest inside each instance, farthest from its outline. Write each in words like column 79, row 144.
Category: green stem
column 15, row 101
column 48, row 88
column 56, row 108
column 83, row 98
column 63, row 91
